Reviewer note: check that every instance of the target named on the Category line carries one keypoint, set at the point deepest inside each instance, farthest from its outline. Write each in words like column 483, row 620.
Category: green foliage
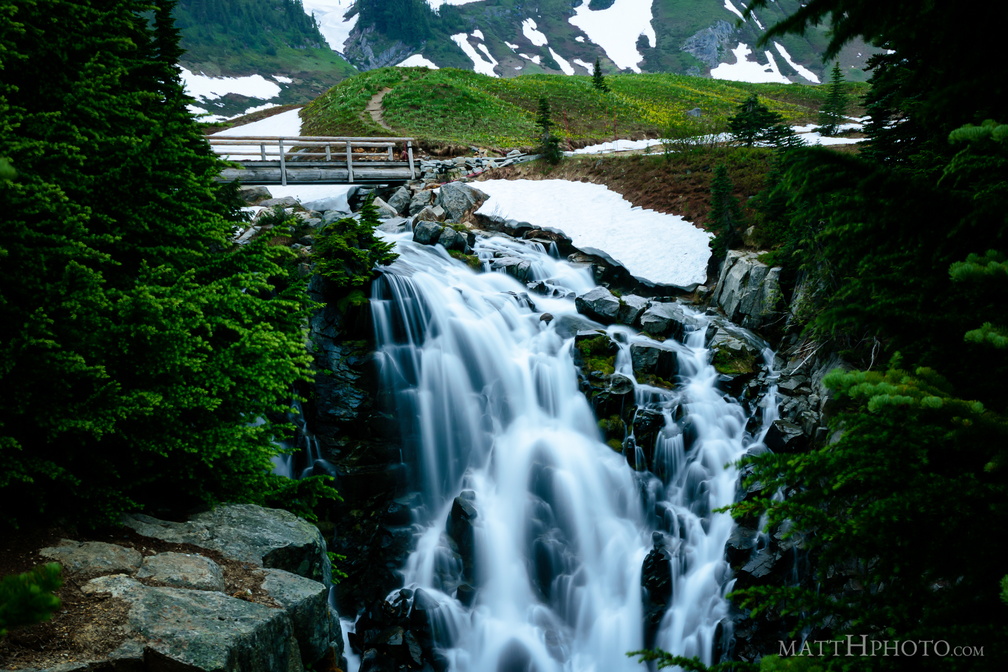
column 139, row 346
column 831, row 116
column 348, row 250
column 598, row 79
column 408, row 21
column 754, row 123
column 463, row 107
column 725, row 218
column 549, row 144
column 241, row 24
column 27, row 598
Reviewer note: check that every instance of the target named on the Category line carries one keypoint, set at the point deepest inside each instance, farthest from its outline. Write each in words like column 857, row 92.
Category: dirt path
column 374, row 108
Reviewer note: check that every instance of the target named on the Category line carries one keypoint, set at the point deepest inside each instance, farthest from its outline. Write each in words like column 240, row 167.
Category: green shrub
column 28, row 598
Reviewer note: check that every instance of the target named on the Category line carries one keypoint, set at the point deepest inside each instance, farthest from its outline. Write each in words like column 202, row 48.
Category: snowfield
column 655, row 248
column 616, row 29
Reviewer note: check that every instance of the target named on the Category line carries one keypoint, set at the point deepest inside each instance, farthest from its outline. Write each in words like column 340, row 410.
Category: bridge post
column 349, row 162
column 409, row 152
column 283, row 165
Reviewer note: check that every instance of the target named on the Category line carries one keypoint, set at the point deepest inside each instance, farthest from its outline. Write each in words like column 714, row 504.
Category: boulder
column 599, row 304
column 400, row 200
column 93, row 558
column 394, row 225
column 183, row 570
column 453, row 240
column 254, row 195
column 419, row 201
column 784, row 436
column 668, row 320
column 513, row 266
column 654, row 359
column 385, row 211
column 431, row 213
column 630, row 309
column 460, row 200
column 307, row 604
column 250, row 533
column 427, row 233
column 748, row 291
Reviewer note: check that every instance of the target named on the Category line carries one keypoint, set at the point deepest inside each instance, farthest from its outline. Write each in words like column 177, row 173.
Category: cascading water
column 532, row 531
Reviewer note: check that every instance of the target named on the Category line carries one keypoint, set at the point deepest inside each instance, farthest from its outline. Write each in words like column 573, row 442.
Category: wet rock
column 394, row 225
column 427, row 233
column 183, row 570
column 453, row 240
column 668, row 320
column 516, row 268
column 654, row 359
column 784, row 436
column 93, row 558
column 254, row 195
column 460, row 529
column 630, row 309
column 598, row 304
column 432, row 213
column 740, row 546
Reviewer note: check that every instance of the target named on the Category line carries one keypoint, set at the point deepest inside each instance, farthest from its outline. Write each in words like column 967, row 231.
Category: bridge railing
column 341, row 150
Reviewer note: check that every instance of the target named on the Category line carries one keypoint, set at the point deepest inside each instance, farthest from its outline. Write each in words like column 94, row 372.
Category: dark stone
column 630, row 309
column 784, row 436
column 598, row 304
column 654, row 359
column 427, row 233
column 668, row 320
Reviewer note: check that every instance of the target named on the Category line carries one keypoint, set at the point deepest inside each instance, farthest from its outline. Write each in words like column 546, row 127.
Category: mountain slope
column 510, row 37
column 458, row 107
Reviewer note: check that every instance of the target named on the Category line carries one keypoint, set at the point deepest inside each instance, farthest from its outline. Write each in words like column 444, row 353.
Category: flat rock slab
column 93, row 558
column 249, row 533
column 203, row 631
column 182, row 570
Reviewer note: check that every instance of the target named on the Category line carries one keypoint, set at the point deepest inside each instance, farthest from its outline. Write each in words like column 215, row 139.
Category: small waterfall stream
column 531, row 531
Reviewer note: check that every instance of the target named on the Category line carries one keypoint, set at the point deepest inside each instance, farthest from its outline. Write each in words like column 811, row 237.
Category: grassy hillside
column 460, row 107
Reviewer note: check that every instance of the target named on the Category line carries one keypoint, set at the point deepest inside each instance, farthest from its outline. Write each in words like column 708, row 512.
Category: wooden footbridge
column 316, row 160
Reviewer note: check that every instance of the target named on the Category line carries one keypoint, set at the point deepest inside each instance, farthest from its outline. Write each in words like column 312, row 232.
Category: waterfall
column 531, row 531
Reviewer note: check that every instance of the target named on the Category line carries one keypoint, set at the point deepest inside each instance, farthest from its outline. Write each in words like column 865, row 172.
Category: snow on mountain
column 416, row 60
column 335, row 28
column 617, row 29
column 484, row 66
column 744, row 70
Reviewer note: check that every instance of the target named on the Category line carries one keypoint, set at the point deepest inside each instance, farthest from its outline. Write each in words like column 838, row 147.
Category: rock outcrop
column 180, row 614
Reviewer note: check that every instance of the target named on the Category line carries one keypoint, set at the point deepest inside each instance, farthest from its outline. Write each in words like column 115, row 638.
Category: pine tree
column 598, row 80
column 549, row 144
column 145, row 361
column 725, row 216
column 754, row 123
column 831, row 116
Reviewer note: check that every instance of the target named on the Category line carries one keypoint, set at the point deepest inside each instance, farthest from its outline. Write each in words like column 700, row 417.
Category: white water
column 489, row 397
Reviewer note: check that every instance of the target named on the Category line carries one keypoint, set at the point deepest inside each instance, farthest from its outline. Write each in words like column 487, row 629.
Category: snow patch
column 535, row 59
column 286, row 124
column 417, row 60
column 800, row 69
column 567, row 68
column 617, row 29
column 204, row 88
column 531, row 32
column 282, row 80
column 480, row 65
column 732, row 8
column 332, row 24
column 587, row 66
column 478, row 34
column 653, row 247
column 749, row 71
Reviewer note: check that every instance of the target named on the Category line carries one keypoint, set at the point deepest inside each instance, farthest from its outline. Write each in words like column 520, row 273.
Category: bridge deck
column 315, row 159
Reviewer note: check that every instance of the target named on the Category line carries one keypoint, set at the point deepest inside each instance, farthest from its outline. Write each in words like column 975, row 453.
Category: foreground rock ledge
column 191, row 624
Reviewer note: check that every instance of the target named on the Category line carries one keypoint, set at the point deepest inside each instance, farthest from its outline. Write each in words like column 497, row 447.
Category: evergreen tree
column 725, row 216
column 598, row 80
column 754, row 123
column 145, row 361
column 549, row 144
column 831, row 116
